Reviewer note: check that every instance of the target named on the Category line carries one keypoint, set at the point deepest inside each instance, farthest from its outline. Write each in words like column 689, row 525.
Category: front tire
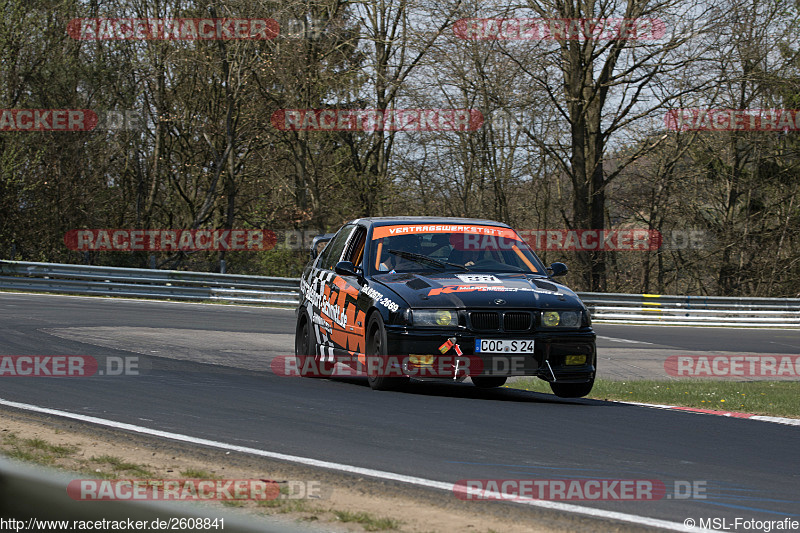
column 571, row 390
column 377, row 347
column 309, row 363
column 488, row 382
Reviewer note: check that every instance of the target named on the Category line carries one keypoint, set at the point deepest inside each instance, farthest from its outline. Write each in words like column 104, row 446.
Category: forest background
column 574, row 133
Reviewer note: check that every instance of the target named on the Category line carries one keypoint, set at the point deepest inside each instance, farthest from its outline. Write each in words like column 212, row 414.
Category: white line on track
column 615, row 339
column 380, row 474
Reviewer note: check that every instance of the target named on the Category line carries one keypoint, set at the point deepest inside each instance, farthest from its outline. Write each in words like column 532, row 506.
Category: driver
column 405, row 243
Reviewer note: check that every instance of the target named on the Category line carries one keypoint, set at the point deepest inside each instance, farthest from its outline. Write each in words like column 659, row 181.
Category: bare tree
column 600, row 86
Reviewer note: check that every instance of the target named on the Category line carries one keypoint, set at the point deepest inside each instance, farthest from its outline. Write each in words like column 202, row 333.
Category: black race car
column 443, row 298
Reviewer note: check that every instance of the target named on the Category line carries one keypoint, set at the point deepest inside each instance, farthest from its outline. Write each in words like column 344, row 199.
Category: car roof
column 390, row 221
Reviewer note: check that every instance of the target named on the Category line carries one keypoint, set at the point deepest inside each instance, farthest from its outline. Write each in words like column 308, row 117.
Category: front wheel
column 571, row 390
column 377, row 348
column 488, row 382
column 309, row 363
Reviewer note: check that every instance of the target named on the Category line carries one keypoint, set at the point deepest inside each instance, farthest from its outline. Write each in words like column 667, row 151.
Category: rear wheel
column 571, row 390
column 309, row 364
column 377, row 348
column 488, row 382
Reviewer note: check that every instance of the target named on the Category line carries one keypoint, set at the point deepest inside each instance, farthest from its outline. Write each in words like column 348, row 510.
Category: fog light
column 575, row 360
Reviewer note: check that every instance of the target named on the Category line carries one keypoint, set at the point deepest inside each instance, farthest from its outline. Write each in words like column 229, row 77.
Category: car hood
column 478, row 289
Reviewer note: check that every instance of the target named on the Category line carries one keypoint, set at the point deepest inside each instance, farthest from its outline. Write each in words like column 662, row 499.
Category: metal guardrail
column 612, row 308
column 200, row 286
column 145, row 283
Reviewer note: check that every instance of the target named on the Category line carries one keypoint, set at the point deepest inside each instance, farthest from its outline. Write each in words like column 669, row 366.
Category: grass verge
column 35, row 450
column 772, row 398
column 105, row 466
column 367, row 521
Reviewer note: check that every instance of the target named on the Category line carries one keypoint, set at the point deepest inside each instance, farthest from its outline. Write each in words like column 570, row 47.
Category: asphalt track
column 205, row 373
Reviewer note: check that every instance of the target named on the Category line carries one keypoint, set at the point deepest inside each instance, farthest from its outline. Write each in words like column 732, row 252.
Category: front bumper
column 548, row 361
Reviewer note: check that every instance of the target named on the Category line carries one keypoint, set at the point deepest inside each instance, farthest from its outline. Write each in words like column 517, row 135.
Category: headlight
column 563, row 319
column 435, row 317
column 550, row 319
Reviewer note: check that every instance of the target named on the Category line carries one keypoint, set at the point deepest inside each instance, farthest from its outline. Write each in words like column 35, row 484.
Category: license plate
column 503, row 346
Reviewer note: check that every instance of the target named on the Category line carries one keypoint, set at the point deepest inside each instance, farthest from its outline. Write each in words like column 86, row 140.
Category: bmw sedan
column 440, row 298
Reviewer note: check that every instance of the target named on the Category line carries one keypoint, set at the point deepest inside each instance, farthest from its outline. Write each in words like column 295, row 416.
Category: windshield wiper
column 419, row 258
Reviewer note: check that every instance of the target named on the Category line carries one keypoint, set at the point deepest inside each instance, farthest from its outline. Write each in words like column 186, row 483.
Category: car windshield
column 444, row 247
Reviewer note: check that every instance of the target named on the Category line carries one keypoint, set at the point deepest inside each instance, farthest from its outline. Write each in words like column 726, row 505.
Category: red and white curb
column 730, row 414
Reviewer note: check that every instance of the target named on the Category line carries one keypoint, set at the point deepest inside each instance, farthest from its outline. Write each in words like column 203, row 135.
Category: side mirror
column 557, row 269
column 346, row 268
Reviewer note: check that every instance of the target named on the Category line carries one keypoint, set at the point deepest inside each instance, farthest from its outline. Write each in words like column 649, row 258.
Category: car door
column 335, row 298
column 351, row 338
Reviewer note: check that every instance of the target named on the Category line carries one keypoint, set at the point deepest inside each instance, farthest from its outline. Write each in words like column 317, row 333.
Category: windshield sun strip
column 525, row 259
column 378, row 255
column 474, row 229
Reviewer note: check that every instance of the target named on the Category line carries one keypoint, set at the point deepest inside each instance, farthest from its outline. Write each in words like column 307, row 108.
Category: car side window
column 335, row 248
column 355, row 252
